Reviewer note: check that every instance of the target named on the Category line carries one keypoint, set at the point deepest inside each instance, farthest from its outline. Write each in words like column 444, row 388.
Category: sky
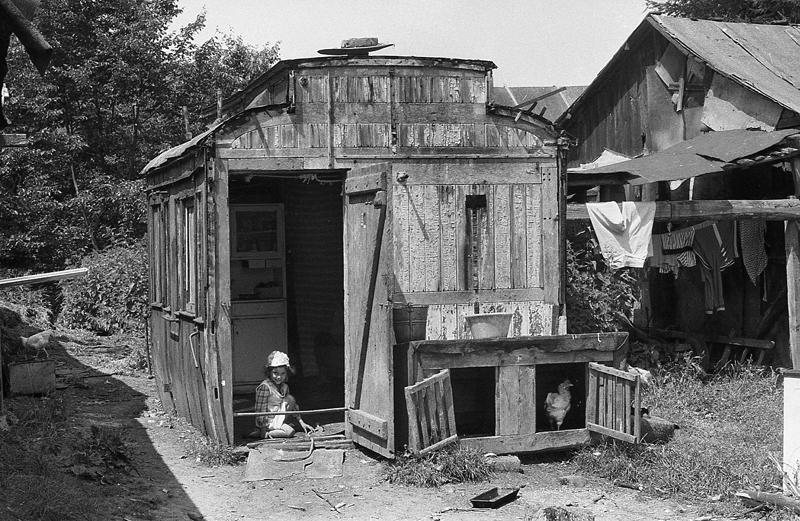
column 532, row 42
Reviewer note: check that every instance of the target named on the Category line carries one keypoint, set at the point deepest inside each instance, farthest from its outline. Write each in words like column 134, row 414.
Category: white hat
column 277, row 359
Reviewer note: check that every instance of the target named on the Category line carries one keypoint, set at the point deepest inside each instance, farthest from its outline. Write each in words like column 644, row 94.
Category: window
column 189, row 255
column 158, row 255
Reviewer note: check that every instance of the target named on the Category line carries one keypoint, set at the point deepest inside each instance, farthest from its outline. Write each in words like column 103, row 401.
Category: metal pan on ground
column 494, row 498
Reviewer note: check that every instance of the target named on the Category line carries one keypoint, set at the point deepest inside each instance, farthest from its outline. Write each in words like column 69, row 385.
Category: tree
column 111, row 101
column 751, row 11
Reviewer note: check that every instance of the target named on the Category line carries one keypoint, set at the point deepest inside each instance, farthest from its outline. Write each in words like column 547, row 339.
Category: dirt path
column 173, row 486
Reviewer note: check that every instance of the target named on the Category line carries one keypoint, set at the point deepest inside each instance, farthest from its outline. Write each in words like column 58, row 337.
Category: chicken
column 557, row 405
column 38, row 342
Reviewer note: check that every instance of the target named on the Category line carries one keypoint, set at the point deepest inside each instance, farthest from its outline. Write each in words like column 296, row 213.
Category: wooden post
column 792, row 233
column 792, row 289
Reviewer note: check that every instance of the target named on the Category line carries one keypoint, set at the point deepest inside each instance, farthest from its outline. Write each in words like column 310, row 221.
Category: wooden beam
column 768, row 210
column 13, row 140
column 44, row 277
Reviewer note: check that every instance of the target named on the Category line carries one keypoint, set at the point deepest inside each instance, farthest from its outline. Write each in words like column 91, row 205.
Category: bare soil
column 168, row 484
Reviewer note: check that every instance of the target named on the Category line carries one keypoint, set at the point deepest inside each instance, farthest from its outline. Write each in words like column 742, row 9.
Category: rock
column 575, row 481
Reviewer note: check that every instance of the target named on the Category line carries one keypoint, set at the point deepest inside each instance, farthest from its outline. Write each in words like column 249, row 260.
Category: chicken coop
column 500, row 388
column 333, row 199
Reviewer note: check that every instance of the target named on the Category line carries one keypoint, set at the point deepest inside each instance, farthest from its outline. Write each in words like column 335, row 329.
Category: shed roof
column 708, row 153
column 759, row 57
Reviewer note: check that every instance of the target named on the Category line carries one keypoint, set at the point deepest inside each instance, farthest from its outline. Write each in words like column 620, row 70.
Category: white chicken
column 557, row 405
column 38, row 342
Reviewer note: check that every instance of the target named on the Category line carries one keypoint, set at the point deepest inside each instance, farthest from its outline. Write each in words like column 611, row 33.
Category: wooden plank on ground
column 75, row 273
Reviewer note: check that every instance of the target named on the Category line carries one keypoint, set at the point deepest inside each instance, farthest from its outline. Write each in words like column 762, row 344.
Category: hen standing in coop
column 557, row 405
column 38, row 342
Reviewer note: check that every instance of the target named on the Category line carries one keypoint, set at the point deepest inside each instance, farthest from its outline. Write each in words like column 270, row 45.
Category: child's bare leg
column 285, row 431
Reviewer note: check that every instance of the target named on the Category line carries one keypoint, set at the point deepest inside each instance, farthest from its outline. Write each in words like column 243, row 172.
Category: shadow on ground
column 86, row 450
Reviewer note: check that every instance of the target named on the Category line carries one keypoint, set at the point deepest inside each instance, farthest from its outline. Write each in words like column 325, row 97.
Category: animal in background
column 557, row 405
column 38, row 342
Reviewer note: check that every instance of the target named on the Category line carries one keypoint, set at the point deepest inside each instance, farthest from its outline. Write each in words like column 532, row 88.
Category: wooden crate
column 32, row 377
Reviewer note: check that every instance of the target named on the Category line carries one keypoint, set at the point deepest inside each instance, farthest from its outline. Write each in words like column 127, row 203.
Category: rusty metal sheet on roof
column 704, row 154
column 760, row 57
column 175, row 152
column 665, row 167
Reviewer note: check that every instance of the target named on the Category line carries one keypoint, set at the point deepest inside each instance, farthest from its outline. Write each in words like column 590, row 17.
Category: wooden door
column 369, row 381
column 431, row 417
column 614, row 403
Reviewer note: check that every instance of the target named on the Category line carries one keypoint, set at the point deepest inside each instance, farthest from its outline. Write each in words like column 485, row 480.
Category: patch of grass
column 730, row 425
column 453, row 464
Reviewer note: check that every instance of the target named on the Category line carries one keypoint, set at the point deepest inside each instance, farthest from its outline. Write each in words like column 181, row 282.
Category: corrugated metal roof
column 763, row 58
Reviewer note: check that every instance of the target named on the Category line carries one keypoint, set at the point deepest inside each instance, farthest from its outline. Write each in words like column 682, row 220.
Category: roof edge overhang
column 177, row 153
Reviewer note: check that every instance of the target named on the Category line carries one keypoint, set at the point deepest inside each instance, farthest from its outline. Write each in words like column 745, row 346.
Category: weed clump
column 453, row 464
column 213, row 453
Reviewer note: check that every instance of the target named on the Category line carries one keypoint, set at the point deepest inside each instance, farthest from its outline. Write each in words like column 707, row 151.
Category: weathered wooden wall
column 186, row 370
column 617, row 116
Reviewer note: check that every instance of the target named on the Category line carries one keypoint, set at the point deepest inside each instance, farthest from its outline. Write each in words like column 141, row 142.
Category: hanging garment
column 624, row 233
column 754, row 255
column 715, row 247
column 673, row 250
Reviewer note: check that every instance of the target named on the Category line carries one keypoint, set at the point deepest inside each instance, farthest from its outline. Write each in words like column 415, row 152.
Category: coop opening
column 561, row 396
column 474, row 400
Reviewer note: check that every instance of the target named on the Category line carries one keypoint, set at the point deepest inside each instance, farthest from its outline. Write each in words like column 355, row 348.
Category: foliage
column 111, row 100
column 730, row 424
column 751, row 11
column 596, row 295
column 112, row 297
column 453, row 464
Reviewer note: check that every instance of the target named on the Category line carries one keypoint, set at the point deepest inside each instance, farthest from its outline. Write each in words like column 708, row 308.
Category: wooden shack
column 331, row 197
column 704, row 115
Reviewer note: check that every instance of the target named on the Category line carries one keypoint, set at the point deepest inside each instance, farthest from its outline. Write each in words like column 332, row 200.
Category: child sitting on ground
column 272, row 395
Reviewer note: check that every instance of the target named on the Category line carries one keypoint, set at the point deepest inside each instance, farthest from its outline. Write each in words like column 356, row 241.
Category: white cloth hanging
column 623, row 230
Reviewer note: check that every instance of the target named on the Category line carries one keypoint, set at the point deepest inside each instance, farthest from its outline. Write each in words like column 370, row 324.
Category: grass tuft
column 453, row 464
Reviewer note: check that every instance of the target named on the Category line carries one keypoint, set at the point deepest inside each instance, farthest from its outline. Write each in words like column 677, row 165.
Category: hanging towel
column 624, row 233
column 754, row 255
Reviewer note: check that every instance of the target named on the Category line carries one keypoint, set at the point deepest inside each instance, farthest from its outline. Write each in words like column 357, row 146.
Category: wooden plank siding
column 430, row 239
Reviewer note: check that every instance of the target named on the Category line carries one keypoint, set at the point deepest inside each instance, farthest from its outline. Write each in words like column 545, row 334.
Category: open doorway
column 312, row 298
